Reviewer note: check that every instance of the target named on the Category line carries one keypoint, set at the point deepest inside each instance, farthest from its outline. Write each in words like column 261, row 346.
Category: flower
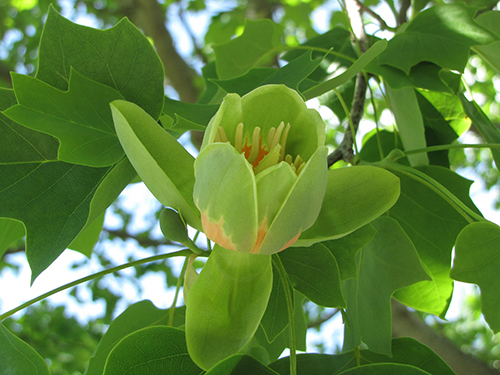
column 261, row 175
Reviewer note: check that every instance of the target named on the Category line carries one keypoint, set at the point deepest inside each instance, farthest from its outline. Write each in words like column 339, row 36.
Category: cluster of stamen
column 260, row 155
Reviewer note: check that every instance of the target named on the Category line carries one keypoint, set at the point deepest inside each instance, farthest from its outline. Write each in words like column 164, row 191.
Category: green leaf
column 18, row 357
column 120, row 57
column 157, row 350
column 275, row 318
column 442, row 34
column 404, row 106
column 19, row 144
column 87, row 239
column 259, row 41
column 290, row 75
column 354, row 69
column 388, row 262
column 344, row 250
column 10, row 232
column 32, row 193
column 423, row 214
column 487, row 129
column 240, row 364
column 404, row 351
column 354, row 197
column 476, row 261
column 384, row 369
column 80, row 117
column 140, row 315
column 162, row 163
column 225, row 304
column 189, row 115
column 491, row 52
column 313, row 271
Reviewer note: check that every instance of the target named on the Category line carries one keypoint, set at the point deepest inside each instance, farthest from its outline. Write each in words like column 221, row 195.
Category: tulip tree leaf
column 388, row 262
column 162, row 163
column 423, row 214
column 314, row 272
column 140, row 315
column 87, row 239
column 120, row 57
column 442, row 34
column 152, row 350
column 80, row 117
column 18, row 357
column 240, row 364
column 491, row 52
column 259, row 40
column 476, row 261
column 354, row 197
column 19, row 144
column 189, row 116
column 383, row 369
column 404, row 351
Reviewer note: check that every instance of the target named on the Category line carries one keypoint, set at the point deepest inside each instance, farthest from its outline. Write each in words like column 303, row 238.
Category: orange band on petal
column 291, row 242
column 215, row 232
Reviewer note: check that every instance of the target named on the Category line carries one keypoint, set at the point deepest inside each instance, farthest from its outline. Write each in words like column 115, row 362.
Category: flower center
column 263, row 155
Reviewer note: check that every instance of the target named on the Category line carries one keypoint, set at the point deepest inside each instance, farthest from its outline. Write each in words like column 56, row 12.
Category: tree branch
column 359, row 38
column 405, row 323
column 150, row 17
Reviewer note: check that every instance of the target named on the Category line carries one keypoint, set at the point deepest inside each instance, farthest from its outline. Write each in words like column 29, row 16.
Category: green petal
column 301, row 207
column 228, row 116
column 354, row 197
column 225, row 192
column 225, row 304
column 273, row 186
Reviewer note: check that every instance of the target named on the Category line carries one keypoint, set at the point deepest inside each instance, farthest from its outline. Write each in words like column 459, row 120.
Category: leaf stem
column 154, row 258
column 289, row 304
column 171, row 311
column 435, row 186
column 449, row 147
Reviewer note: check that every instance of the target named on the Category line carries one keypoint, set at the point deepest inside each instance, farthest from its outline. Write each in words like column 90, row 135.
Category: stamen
column 277, row 136
column 269, row 160
column 283, row 141
column 255, row 145
column 238, row 138
column 300, row 168
column 298, row 161
column 270, row 137
column 222, row 135
column 289, row 159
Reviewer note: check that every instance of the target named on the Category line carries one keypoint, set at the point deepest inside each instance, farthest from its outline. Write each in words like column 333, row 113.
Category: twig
column 345, row 150
column 320, row 321
column 383, row 24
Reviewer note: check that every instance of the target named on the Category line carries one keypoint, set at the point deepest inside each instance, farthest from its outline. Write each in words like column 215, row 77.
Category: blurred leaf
column 80, row 117
column 476, row 261
column 189, row 116
column 442, row 34
column 120, row 57
column 137, row 316
column 259, row 41
column 18, row 357
column 388, row 263
column 384, row 369
column 154, row 350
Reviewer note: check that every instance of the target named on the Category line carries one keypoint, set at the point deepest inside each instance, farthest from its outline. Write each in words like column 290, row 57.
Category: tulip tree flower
column 261, row 175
